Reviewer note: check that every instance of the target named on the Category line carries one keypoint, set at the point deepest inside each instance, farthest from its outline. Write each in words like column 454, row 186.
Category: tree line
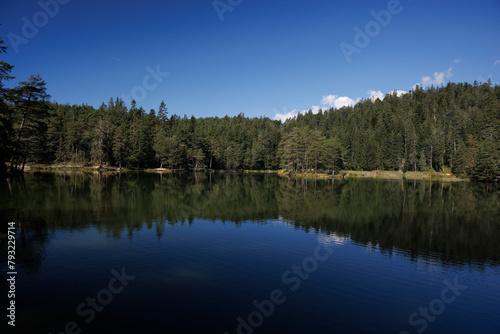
column 455, row 127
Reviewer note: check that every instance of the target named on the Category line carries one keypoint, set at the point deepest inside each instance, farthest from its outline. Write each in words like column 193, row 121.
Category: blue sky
column 266, row 57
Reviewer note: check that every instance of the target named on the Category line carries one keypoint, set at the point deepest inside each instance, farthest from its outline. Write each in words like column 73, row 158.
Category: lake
column 239, row 253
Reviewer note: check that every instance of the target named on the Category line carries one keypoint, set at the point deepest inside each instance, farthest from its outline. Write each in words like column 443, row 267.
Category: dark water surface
column 201, row 253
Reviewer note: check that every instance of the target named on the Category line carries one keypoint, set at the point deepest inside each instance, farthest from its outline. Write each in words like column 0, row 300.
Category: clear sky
column 257, row 57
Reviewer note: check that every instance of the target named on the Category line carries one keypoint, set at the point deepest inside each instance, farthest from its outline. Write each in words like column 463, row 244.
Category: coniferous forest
column 456, row 126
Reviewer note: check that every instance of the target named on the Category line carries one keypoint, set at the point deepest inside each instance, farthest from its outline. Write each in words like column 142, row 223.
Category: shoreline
column 344, row 174
column 383, row 175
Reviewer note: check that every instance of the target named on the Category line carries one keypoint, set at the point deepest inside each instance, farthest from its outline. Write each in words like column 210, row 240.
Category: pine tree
column 330, row 154
column 487, row 162
column 32, row 109
column 422, row 162
column 162, row 112
column 161, row 145
column 120, row 145
column 6, row 123
column 98, row 143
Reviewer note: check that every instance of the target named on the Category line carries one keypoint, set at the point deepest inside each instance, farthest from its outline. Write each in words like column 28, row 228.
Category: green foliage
column 487, row 163
column 6, row 114
column 31, row 111
column 303, row 148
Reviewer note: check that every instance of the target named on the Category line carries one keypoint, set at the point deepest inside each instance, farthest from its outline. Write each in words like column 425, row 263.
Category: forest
column 455, row 127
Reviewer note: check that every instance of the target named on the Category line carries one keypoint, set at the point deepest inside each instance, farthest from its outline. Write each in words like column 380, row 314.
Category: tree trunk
column 20, row 129
column 431, row 157
column 18, row 141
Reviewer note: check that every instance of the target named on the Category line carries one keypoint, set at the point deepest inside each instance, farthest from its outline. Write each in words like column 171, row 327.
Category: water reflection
column 451, row 222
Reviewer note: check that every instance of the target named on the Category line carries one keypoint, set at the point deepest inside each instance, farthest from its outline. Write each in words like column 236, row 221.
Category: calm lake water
column 215, row 253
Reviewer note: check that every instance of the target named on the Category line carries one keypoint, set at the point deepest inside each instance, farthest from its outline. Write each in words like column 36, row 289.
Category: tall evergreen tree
column 6, row 123
column 32, row 110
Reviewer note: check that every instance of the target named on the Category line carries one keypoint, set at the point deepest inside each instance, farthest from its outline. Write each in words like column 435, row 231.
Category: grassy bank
column 430, row 175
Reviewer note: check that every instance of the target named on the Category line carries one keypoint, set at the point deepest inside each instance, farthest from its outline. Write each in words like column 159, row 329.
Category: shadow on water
column 456, row 223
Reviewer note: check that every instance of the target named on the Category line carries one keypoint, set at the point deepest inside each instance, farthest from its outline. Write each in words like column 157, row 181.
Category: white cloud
column 438, row 79
column 283, row 117
column 496, row 62
column 315, row 109
column 448, row 73
column 426, row 80
column 456, row 61
column 329, row 101
column 374, row 95
column 338, row 101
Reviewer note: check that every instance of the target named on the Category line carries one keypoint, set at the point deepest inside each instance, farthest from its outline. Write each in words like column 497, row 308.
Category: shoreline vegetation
column 343, row 174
